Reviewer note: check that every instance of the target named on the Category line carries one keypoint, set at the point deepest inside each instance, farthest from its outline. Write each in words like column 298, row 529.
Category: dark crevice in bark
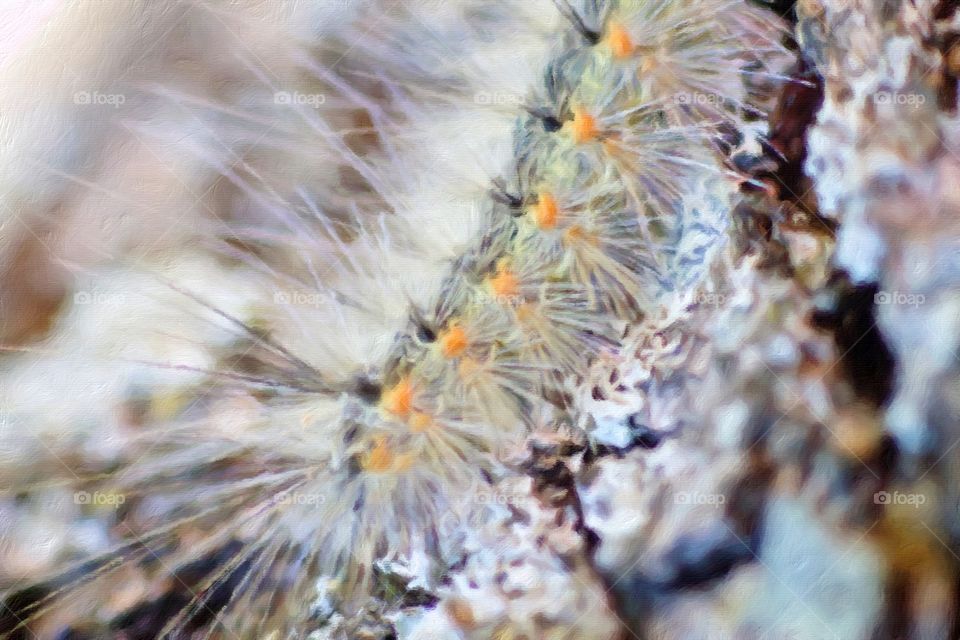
column 865, row 359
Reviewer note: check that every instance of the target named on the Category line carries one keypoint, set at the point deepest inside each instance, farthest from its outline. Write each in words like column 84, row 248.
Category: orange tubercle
column 380, row 458
column 420, row 422
column 545, row 212
column 453, row 342
column 583, row 128
column 525, row 312
column 505, row 283
column 398, row 400
column 577, row 233
column 621, row 46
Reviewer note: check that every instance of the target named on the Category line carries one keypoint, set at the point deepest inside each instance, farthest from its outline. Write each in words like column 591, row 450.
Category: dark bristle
column 592, row 36
column 368, row 390
column 551, row 124
column 425, row 333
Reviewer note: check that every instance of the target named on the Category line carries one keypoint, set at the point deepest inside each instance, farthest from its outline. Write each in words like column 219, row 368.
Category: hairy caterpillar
column 353, row 449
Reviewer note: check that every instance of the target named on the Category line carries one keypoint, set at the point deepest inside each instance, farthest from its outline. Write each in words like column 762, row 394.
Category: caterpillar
column 416, row 371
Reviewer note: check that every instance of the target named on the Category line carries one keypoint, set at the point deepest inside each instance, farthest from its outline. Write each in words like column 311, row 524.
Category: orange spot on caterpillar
column 505, row 283
column 420, row 422
column 404, row 462
column 525, row 311
column 398, row 400
column 576, row 234
column 621, row 46
column 461, row 612
column 545, row 212
column 583, row 127
column 380, row 458
column 453, row 342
